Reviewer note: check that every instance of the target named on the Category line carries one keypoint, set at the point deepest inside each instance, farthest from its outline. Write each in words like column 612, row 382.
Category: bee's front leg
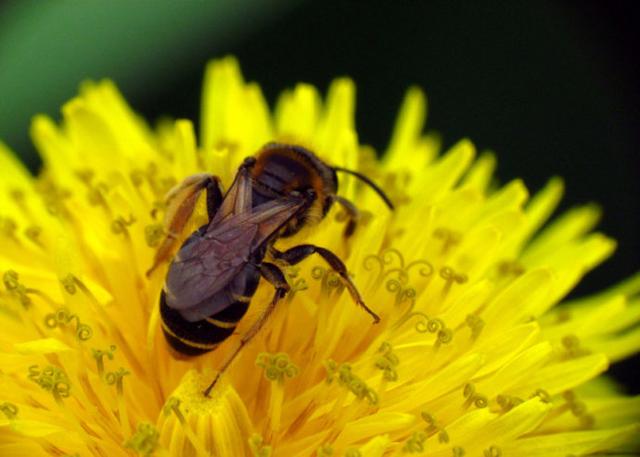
column 181, row 201
column 298, row 253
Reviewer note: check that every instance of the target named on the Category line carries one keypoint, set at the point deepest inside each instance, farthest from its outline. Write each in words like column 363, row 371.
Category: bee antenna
column 371, row 184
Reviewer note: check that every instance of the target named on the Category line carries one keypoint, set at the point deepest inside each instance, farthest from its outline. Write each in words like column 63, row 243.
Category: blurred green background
column 550, row 86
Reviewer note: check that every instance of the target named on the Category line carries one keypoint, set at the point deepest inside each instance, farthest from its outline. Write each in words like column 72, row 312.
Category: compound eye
column 311, row 194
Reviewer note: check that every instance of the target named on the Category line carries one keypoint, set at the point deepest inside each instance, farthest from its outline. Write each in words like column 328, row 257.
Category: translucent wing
column 211, row 258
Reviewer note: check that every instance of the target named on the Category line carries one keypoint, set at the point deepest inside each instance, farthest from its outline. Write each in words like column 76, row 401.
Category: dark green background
column 550, row 86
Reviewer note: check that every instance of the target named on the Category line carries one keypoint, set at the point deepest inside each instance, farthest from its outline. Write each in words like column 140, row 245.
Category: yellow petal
column 565, row 375
column 573, row 443
column 41, row 346
column 408, row 128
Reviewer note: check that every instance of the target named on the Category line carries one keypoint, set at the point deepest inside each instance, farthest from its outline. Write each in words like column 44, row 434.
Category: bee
column 216, row 271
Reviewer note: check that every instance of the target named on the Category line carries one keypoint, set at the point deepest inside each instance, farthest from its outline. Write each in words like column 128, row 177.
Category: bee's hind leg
column 275, row 276
column 181, row 201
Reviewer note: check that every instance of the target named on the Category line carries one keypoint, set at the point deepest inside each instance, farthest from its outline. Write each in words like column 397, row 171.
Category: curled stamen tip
column 153, row 234
column 145, row 439
column 493, row 451
column 69, row 284
column 9, row 409
column 10, row 279
column 170, row 405
column 324, row 451
column 416, row 442
column 276, row 366
column 258, row 449
column 428, row 418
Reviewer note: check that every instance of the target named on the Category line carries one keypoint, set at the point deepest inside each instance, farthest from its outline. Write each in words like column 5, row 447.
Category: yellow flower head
column 472, row 356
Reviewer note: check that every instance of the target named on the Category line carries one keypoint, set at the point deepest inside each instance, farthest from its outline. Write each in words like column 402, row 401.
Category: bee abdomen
column 200, row 337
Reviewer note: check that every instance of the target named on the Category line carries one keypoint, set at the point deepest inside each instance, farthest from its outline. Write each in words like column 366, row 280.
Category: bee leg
column 352, row 213
column 181, row 201
column 275, row 276
column 298, row 253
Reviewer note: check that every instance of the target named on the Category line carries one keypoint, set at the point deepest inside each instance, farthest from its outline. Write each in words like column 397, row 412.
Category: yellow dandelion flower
column 472, row 357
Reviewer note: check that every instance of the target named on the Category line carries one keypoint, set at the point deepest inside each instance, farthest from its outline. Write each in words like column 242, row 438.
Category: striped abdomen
column 200, row 337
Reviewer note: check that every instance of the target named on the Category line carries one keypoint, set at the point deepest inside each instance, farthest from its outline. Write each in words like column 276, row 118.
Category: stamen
column 563, row 315
column 85, row 175
column 145, row 440
column 382, row 261
column 349, row 380
column 137, row 177
column 401, row 292
column 330, row 281
column 374, row 261
column 10, row 279
column 115, row 377
column 8, row 227
column 510, row 268
column 99, row 354
column 33, row 232
column 415, row 443
column 18, row 196
column 258, row 449
column 53, row 197
column 62, row 317
column 579, row 409
column 572, row 347
column 276, row 366
column 96, row 194
column 387, row 361
column 493, row 451
column 432, row 423
column 157, row 207
column 173, row 406
column 434, row 427
column 543, row 395
column 457, row 451
column 395, row 185
column 389, row 254
column 476, row 324
column 296, row 284
column 9, row 409
column 69, row 284
column 426, row 324
column 120, row 224
column 508, row 402
column 353, row 452
column 159, row 185
column 426, row 270
column 95, row 191
column 451, row 276
column 15, row 288
column 52, row 379
column 449, row 238
column 478, row 400
column 324, row 451
column 153, row 234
